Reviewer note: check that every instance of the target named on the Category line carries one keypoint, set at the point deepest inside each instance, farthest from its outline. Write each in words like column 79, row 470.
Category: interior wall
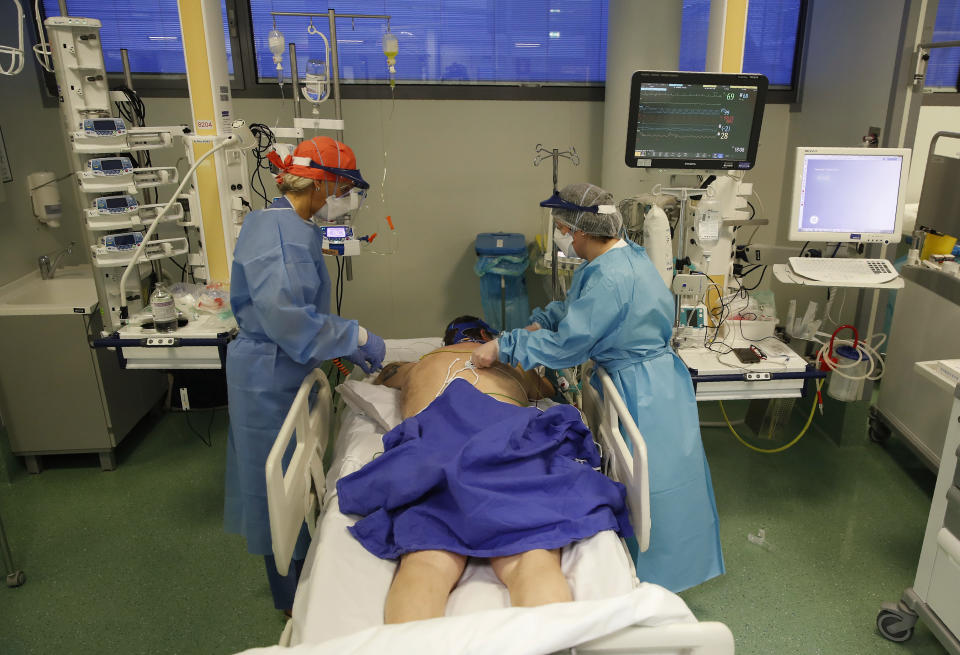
column 453, row 169
column 34, row 142
column 933, row 119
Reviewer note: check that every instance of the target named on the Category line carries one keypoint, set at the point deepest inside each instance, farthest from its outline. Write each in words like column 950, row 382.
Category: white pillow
column 410, row 350
column 378, row 403
column 382, row 404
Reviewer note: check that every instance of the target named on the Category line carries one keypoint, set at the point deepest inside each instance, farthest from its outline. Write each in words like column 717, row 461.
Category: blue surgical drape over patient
column 476, row 476
column 618, row 313
column 280, row 294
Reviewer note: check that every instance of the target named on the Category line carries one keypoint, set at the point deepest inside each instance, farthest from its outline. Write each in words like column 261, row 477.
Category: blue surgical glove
column 370, row 355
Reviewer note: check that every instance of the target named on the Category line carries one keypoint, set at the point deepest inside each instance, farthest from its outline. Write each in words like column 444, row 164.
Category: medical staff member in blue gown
column 280, row 294
column 619, row 313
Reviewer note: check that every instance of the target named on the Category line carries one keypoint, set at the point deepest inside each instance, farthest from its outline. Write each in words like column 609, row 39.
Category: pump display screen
column 336, row 233
column 120, row 202
column 111, row 164
column 104, row 125
column 694, row 120
column 123, row 240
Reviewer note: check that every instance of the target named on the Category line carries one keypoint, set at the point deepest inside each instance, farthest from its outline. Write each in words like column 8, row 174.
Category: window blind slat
column 453, row 41
column 148, row 29
column 772, row 27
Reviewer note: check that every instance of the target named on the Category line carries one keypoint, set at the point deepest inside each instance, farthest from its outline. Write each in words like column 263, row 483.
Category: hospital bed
column 340, row 598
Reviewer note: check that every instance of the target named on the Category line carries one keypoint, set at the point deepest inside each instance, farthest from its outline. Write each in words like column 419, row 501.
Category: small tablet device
column 746, row 355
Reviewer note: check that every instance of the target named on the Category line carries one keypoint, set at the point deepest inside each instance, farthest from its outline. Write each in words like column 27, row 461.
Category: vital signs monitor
column 849, row 194
column 694, row 120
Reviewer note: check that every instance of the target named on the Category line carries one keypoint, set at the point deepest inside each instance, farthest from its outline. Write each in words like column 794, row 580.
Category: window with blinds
column 148, row 29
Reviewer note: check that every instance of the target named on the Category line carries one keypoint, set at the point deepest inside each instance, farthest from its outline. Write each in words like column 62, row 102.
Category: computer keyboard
column 846, row 270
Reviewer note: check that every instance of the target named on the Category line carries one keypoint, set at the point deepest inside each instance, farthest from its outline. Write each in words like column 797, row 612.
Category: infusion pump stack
column 696, row 122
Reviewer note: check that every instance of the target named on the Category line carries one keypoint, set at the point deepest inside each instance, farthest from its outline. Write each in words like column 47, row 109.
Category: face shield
column 342, row 204
column 575, row 217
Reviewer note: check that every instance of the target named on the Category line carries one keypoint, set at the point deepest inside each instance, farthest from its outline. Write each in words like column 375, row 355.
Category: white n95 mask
column 338, row 206
column 564, row 242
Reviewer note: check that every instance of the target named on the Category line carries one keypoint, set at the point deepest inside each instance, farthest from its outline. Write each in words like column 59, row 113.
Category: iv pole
column 541, row 154
column 332, row 17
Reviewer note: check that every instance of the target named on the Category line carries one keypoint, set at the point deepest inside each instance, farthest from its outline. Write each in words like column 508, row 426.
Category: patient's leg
column 423, row 582
column 533, row 578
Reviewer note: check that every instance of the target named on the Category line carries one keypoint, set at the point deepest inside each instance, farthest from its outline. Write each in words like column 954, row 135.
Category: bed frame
column 296, row 495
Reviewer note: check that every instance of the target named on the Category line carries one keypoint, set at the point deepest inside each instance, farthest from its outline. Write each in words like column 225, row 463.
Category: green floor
column 135, row 561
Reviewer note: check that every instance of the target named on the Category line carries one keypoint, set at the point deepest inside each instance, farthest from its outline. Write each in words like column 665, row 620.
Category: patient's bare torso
column 434, row 372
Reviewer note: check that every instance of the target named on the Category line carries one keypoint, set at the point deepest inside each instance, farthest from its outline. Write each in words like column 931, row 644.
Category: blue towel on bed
column 476, row 476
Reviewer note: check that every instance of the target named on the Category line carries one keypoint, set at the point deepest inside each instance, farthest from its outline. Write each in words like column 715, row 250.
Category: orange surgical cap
column 320, row 151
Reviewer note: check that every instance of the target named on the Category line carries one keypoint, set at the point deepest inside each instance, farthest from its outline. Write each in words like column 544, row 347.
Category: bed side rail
column 296, row 496
column 703, row 638
column 606, row 416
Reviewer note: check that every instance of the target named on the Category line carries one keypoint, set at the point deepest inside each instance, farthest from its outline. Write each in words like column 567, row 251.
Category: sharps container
column 502, row 262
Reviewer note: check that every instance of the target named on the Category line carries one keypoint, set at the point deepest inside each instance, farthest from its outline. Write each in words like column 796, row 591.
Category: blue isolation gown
column 618, row 313
column 280, row 294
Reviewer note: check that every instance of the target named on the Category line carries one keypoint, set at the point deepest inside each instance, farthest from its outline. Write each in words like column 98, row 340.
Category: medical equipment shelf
column 98, row 222
column 139, row 179
column 199, row 344
column 811, row 373
column 782, row 375
column 169, row 351
column 135, row 139
column 783, row 273
column 156, row 249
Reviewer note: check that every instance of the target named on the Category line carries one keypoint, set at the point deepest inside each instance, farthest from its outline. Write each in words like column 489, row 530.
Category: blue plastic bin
column 502, row 261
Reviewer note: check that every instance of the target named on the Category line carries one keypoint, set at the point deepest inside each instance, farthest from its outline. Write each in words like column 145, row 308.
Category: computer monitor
column 694, row 120
column 849, row 194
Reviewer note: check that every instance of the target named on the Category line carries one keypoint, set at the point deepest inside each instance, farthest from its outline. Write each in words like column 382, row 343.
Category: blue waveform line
column 671, row 134
column 680, row 111
column 680, row 128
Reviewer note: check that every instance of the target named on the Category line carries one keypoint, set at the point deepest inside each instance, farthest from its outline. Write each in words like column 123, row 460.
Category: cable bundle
column 265, row 140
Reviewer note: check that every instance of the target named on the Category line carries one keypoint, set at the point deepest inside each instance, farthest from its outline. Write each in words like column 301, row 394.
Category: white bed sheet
column 343, row 587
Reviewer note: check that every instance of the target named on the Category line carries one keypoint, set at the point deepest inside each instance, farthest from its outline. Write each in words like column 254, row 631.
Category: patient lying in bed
column 473, row 471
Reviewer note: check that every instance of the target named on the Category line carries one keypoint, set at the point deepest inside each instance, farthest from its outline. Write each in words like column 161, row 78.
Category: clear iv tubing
column 156, row 222
column 866, row 351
